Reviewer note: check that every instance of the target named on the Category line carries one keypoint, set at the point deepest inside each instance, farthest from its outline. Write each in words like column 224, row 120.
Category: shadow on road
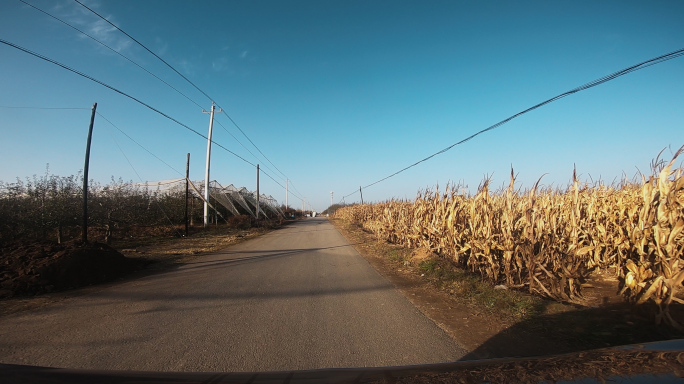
column 311, row 230
column 259, row 255
column 237, row 281
column 580, row 330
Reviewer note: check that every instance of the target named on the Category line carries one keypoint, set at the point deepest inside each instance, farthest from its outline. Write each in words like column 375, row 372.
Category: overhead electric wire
column 144, row 69
column 122, row 93
column 591, row 84
column 142, row 45
column 276, row 181
column 108, row 121
column 250, row 140
column 113, row 50
column 165, row 163
column 295, row 188
column 141, row 67
column 185, row 78
column 140, row 145
column 242, row 145
column 141, row 180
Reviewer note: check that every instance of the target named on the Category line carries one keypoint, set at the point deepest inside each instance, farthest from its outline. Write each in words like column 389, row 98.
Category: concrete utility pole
column 84, row 236
column 257, row 197
column 287, row 192
column 206, row 173
column 331, row 197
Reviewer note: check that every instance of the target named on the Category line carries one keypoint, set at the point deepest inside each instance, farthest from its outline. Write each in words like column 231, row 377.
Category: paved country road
column 299, row 297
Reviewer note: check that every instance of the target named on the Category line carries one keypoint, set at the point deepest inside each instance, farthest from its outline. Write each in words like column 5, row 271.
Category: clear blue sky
column 339, row 94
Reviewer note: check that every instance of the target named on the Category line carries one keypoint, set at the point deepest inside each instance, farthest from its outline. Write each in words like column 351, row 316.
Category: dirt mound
column 421, row 254
column 40, row 268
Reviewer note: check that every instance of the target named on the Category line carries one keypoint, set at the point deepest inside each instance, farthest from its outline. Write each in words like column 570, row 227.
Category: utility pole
column 331, row 197
column 361, row 194
column 206, row 173
column 84, row 236
column 287, row 192
column 303, row 200
column 257, row 197
column 187, row 178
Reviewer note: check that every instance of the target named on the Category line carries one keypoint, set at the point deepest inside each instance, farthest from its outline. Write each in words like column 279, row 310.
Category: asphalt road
column 297, row 298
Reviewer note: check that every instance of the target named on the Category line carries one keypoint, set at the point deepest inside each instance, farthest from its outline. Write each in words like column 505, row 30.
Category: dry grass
column 549, row 242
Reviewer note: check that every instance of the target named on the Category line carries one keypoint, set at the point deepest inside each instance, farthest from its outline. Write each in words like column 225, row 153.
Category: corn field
column 549, row 242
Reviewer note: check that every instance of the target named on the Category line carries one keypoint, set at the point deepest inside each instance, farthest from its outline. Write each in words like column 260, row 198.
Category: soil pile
column 39, row 268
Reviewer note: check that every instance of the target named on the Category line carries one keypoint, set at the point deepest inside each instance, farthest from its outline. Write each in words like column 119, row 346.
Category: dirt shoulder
column 495, row 322
column 135, row 258
column 169, row 252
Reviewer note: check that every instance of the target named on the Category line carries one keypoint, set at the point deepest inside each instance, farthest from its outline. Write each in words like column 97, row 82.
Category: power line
column 276, row 181
column 141, row 180
column 591, row 84
column 242, row 145
column 122, row 93
column 105, row 119
column 185, row 78
column 295, row 188
column 148, row 151
column 155, row 76
column 142, row 45
column 250, row 140
column 113, row 50
column 140, row 145
column 134, row 99
column 141, row 67
column 133, row 140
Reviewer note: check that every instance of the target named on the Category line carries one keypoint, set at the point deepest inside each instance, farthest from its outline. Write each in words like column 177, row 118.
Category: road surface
column 296, row 298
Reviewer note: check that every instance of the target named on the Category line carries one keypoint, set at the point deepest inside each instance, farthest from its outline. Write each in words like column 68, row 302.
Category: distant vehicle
column 307, row 215
column 313, row 214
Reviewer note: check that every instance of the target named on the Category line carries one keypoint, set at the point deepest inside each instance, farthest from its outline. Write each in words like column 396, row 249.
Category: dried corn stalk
column 549, row 241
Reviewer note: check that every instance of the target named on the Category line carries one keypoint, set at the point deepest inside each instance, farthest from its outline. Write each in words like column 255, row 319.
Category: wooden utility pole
column 187, row 179
column 361, row 194
column 84, row 237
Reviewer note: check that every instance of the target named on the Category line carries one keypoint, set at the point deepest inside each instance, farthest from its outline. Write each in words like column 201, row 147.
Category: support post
column 84, row 236
column 257, row 194
column 206, row 173
column 361, row 194
column 187, row 179
column 331, row 197
column 287, row 193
